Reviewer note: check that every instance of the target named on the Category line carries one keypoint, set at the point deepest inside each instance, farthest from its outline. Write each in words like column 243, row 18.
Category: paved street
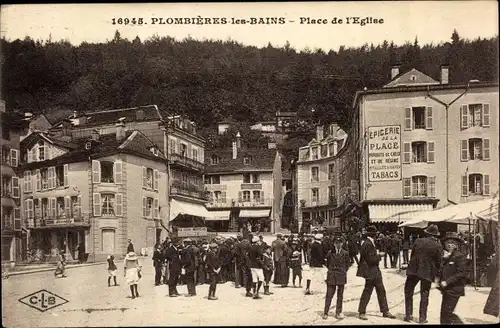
column 92, row 303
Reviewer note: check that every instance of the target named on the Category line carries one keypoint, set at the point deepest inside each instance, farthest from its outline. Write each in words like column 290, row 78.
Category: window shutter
column 428, row 114
column 50, row 176
column 486, row 185
column 96, row 172
column 262, row 197
column 67, row 206
column 48, row 152
column 464, row 121
column 408, row 119
column 35, row 153
column 30, row 181
column 155, row 208
column 240, row 198
column 119, row 204
column 79, row 206
column 406, row 187
column 15, row 187
column 144, row 177
column 464, row 150
column 486, row 149
column 38, row 180
column 17, row 218
column 25, row 182
column 465, row 185
column 144, row 206
column 30, row 208
column 66, row 179
column 430, row 152
column 26, row 209
column 486, row 115
column 14, row 157
column 156, row 176
column 406, row 153
column 97, row 204
column 30, row 155
column 53, row 208
column 223, row 196
column 431, row 186
column 117, row 171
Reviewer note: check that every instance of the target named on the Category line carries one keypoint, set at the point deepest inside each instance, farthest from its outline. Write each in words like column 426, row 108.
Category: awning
column 8, row 202
column 397, row 212
column 8, row 171
column 179, row 207
column 219, row 216
column 254, row 213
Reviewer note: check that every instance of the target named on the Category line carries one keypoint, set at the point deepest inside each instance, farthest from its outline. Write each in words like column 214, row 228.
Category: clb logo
column 43, row 300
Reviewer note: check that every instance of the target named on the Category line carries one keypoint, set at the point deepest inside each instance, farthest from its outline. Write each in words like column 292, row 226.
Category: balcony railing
column 186, row 161
column 60, row 220
column 321, row 202
column 263, row 202
column 188, row 190
column 6, row 192
column 251, row 186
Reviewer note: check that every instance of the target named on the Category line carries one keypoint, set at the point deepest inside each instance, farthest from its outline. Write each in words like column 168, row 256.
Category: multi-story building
column 418, row 143
column 318, row 178
column 84, row 194
column 245, row 186
column 12, row 125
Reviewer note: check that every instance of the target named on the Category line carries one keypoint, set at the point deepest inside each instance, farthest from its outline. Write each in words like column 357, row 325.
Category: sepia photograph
column 250, row 163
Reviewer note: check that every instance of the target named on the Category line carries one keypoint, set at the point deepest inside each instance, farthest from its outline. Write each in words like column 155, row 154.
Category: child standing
column 268, row 269
column 296, row 265
column 112, row 269
column 132, row 272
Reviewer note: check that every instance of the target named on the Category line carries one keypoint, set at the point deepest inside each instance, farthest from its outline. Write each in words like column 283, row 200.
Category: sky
column 429, row 21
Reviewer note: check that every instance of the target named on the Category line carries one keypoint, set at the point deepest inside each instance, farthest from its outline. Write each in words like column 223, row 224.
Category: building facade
column 245, row 185
column 318, row 178
column 421, row 144
column 12, row 125
column 81, row 195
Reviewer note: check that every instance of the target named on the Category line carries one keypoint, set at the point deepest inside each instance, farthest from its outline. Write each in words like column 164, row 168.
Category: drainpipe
column 91, row 212
column 167, row 166
column 447, row 106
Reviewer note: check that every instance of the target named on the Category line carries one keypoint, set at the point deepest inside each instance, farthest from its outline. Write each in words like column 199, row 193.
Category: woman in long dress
column 132, row 272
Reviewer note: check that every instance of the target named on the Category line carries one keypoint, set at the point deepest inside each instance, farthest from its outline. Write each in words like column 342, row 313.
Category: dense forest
column 209, row 81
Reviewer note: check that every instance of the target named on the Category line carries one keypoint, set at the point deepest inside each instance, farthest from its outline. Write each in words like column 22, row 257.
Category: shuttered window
column 464, row 150
column 428, row 118
column 408, row 116
column 96, row 172
column 465, row 185
column 486, row 185
column 406, row 152
column 431, row 186
column 119, row 204
column 406, row 187
column 117, row 171
column 156, row 179
column 464, row 117
column 430, row 152
column 97, row 204
column 486, row 149
column 15, row 188
column 65, row 172
column 486, row 115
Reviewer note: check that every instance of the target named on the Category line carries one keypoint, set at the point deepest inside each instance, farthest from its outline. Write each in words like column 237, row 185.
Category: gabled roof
column 412, row 77
column 262, row 160
column 55, row 115
column 60, row 141
column 150, row 113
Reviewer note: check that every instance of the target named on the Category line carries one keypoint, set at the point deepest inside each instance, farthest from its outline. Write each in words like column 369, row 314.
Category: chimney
column 139, row 115
column 238, row 140
column 235, row 150
column 394, row 71
column 120, row 130
column 319, row 133
column 95, row 135
column 334, row 127
column 445, row 74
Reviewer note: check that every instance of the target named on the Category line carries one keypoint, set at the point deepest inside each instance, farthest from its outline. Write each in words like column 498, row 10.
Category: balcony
column 251, row 186
column 186, row 162
column 58, row 221
column 239, row 203
column 188, row 190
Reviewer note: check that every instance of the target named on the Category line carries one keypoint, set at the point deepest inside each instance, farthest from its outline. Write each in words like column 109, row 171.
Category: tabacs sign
column 384, row 153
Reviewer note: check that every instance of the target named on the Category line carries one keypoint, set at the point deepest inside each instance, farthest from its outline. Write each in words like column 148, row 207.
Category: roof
column 55, row 115
column 61, row 141
column 151, row 113
column 135, row 143
column 412, row 77
column 262, row 160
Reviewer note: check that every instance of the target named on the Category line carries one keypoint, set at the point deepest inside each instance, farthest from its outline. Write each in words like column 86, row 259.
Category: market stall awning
column 179, row 207
column 489, row 214
column 254, row 213
column 8, row 202
column 219, row 216
column 396, row 212
column 8, row 171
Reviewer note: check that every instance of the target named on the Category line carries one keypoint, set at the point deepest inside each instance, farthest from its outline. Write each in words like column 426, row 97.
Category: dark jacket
column 368, row 261
column 224, row 254
column 454, row 272
column 172, row 254
column 425, row 260
column 111, row 264
column 130, row 248
column 255, row 257
column 157, row 258
column 213, row 262
column 278, row 246
column 317, row 255
column 189, row 259
column 296, row 262
column 337, row 264
column 395, row 245
column 491, row 305
column 268, row 262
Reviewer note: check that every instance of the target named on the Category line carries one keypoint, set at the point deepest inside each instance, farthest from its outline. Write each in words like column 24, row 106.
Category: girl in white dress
column 132, row 272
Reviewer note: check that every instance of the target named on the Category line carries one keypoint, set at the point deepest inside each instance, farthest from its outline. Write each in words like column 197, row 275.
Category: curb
column 17, row 273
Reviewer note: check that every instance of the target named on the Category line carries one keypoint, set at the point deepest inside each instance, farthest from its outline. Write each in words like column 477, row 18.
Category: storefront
column 219, row 221
column 259, row 219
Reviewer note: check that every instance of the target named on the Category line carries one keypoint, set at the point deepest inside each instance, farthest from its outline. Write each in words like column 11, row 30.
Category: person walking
column 268, row 268
column 424, row 266
column 338, row 262
column 61, row 264
column 112, row 269
column 213, row 268
column 256, row 264
column 452, row 278
column 157, row 264
column 189, row 265
column 317, row 263
column 368, row 269
column 173, row 257
column 406, row 250
column 132, row 272
column 130, row 246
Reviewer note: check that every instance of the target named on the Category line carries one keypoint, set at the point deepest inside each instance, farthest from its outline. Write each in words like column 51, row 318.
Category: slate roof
column 64, row 142
column 406, row 79
column 151, row 113
column 55, row 115
column 262, row 160
column 135, row 143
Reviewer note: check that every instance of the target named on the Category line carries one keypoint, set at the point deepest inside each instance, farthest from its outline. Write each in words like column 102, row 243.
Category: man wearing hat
column 368, row 268
column 317, row 263
column 452, row 278
column 278, row 247
column 189, row 266
column 173, row 256
column 213, row 267
column 256, row 264
column 424, row 266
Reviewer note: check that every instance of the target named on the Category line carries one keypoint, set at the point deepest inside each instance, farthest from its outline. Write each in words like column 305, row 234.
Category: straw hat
column 131, row 256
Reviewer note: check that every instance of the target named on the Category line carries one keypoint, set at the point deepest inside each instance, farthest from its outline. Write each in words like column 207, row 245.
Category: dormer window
column 247, row 160
column 41, row 151
column 214, row 159
column 154, row 150
column 314, row 153
column 413, row 78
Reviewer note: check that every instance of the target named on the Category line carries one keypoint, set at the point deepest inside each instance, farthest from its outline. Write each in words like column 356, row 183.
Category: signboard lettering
column 192, row 232
column 384, row 153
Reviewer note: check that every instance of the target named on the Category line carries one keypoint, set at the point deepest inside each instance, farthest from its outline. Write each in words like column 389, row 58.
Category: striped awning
column 397, row 212
column 219, row 216
column 254, row 213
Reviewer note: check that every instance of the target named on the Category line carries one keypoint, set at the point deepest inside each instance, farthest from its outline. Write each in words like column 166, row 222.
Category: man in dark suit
column 245, row 266
column 317, row 263
column 173, row 257
column 424, row 266
column 256, row 262
column 452, row 278
column 157, row 263
column 369, row 269
column 213, row 268
column 130, row 246
column 189, row 265
column 278, row 246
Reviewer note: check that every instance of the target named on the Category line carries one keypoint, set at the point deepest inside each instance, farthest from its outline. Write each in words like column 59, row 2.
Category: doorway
column 108, row 241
